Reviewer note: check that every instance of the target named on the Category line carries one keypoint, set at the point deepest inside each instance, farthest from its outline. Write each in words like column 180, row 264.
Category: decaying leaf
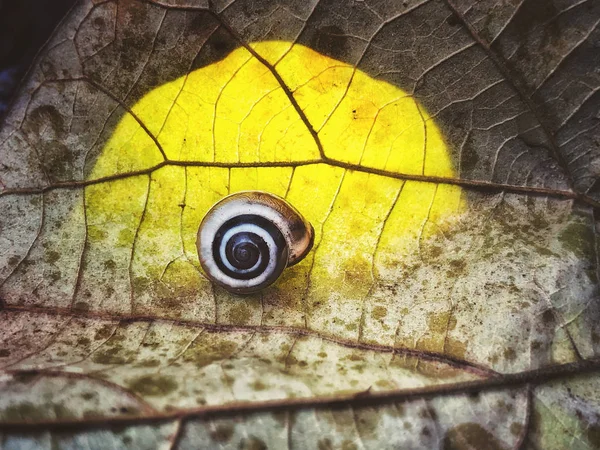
column 445, row 153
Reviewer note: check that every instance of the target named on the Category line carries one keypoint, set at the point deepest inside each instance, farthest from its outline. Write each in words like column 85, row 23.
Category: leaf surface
column 450, row 300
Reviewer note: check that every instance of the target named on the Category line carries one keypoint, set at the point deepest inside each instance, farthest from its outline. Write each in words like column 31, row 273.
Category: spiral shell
column 247, row 239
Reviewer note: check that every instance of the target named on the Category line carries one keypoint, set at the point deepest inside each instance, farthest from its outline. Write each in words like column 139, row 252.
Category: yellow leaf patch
column 221, row 123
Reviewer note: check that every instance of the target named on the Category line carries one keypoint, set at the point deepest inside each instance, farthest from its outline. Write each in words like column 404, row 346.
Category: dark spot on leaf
column 149, row 363
column 325, row 444
column 46, row 116
column 54, row 276
column 510, row 354
column 593, row 435
column 258, row 385
column 252, row 443
column 153, row 385
column 457, row 267
column 104, row 332
column 429, row 413
column 206, row 352
column 52, row 256
column 516, row 428
column 355, row 357
column 23, row 411
column 96, row 233
column 368, row 423
column 548, row 316
column 398, row 411
column 92, row 414
column 468, row 436
column 112, row 355
column 379, row 312
column 577, row 238
column 4, row 353
column 452, row 20
column 222, row 433
column 98, row 23
column 291, row 360
column 83, row 341
column 26, row 377
column 30, row 412
column 474, row 397
column 348, row 445
column 81, row 306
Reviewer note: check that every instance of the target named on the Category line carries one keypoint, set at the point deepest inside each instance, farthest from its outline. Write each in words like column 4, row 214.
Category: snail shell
column 247, row 239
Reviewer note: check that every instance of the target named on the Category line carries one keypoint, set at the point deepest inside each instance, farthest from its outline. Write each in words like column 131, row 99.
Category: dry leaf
column 445, row 153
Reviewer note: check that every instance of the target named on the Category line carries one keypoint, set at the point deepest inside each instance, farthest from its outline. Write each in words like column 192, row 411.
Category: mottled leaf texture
column 447, row 154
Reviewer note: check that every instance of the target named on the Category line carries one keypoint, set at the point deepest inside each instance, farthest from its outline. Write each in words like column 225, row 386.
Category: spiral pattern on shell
column 247, row 239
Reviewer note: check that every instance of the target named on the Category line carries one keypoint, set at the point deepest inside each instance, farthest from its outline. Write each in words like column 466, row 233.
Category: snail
column 247, row 239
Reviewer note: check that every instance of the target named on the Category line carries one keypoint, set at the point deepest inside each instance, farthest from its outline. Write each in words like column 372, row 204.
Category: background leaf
column 444, row 152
